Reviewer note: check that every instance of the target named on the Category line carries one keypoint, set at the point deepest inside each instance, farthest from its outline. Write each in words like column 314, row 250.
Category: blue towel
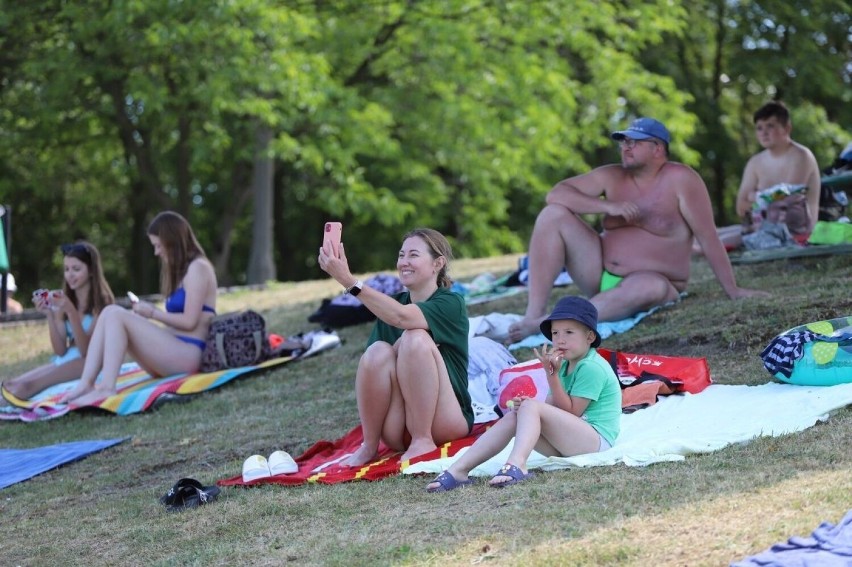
column 605, row 328
column 829, row 546
column 18, row 465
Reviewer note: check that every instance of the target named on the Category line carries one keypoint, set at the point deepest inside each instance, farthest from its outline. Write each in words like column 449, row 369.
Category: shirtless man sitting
column 782, row 162
column 653, row 208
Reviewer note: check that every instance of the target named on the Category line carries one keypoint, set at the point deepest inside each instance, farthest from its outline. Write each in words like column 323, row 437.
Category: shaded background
column 259, row 120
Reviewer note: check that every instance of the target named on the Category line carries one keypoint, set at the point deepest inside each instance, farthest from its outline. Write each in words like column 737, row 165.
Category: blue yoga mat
column 18, row 465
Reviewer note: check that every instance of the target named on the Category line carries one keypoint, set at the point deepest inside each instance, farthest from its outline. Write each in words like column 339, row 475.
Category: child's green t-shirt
column 592, row 378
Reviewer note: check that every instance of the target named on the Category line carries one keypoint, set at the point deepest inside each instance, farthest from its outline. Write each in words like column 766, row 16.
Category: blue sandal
column 447, row 482
column 514, row 473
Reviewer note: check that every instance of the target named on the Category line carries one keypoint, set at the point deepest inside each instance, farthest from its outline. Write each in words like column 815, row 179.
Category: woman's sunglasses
column 74, row 250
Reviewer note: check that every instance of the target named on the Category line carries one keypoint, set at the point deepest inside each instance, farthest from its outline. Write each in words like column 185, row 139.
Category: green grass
column 707, row 510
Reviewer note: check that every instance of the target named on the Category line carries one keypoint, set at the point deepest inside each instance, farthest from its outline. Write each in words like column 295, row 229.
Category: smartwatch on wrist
column 355, row 289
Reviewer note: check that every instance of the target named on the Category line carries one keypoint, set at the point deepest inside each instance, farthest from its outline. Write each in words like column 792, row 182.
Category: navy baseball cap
column 576, row 308
column 642, row 129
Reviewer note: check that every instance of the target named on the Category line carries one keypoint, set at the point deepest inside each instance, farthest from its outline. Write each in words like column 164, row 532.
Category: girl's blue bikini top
column 175, row 302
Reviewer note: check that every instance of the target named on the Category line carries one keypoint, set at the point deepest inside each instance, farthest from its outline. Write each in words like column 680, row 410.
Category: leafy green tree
column 169, row 89
column 738, row 55
column 259, row 121
column 486, row 105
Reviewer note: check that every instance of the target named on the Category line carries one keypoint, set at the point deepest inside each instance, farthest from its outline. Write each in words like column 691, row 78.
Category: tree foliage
column 385, row 114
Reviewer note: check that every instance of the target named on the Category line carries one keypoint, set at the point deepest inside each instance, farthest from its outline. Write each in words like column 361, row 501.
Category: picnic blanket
column 18, row 465
column 138, row 391
column 830, row 545
column 495, row 326
column 757, row 256
column 687, row 424
column 605, row 328
column 485, row 288
column 321, row 462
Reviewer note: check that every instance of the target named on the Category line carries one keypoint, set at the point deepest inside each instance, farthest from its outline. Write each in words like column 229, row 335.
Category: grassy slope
column 707, row 510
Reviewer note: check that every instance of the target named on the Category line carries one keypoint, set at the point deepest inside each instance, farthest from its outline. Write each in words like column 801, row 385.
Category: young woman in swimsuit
column 172, row 345
column 71, row 315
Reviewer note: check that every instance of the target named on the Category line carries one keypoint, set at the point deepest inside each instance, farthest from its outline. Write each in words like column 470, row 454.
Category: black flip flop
column 188, row 493
column 180, row 490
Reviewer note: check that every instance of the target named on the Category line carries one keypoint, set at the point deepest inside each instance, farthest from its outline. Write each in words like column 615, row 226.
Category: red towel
column 387, row 462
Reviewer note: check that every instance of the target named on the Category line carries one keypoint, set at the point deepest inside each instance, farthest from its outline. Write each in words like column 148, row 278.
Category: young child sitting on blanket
column 582, row 413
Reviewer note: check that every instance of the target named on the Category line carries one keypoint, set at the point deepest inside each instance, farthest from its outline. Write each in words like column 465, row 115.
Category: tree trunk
column 717, row 128
column 262, row 263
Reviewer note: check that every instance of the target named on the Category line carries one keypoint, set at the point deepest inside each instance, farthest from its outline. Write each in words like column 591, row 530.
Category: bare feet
column 79, row 390
column 522, row 329
column 85, row 396
column 360, row 457
column 418, row 447
column 7, row 386
column 92, row 397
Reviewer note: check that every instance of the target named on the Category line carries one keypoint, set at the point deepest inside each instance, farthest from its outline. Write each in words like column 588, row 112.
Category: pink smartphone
column 331, row 235
column 42, row 295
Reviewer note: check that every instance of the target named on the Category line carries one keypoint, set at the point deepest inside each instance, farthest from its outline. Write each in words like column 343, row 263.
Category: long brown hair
column 179, row 248
column 100, row 294
column 438, row 246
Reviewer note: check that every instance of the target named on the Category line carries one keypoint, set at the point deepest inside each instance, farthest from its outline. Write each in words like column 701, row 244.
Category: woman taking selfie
column 411, row 382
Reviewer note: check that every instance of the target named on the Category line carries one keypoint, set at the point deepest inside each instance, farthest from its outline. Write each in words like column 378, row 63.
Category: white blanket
column 680, row 425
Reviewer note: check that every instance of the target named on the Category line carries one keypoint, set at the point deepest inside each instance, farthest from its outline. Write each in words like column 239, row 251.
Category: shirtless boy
column 653, row 209
column 782, row 161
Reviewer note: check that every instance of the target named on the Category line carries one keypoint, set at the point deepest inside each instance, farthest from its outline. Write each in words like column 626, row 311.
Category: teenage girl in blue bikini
column 71, row 314
column 188, row 281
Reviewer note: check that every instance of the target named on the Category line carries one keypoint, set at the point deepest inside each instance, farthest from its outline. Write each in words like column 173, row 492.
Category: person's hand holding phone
column 331, row 237
column 41, row 299
column 332, row 257
column 58, row 301
column 143, row 308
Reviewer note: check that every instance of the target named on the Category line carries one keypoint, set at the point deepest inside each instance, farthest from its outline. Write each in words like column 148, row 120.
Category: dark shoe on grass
column 515, row 475
column 447, row 482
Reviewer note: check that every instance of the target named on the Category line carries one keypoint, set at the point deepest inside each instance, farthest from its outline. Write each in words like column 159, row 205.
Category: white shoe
column 321, row 341
column 255, row 467
column 280, row 462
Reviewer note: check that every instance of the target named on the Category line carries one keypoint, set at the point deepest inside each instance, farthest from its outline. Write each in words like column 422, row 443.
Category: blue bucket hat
column 576, row 308
column 642, row 129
